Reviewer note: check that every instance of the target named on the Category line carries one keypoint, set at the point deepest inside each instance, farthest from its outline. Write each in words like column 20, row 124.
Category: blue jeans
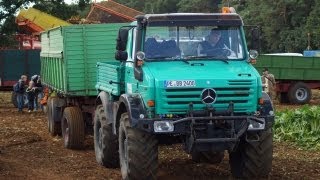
column 20, row 101
column 36, row 103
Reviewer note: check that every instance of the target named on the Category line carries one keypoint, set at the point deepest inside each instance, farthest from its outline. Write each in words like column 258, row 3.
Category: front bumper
column 181, row 125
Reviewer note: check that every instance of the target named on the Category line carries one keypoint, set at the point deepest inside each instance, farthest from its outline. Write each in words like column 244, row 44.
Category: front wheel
column 105, row 142
column 253, row 159
column 138, row 152
column 72, row 126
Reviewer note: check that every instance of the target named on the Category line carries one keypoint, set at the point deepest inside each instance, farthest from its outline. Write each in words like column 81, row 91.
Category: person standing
column 268, row 83
column 20, row 91
column 38, row 91
column 31, row 96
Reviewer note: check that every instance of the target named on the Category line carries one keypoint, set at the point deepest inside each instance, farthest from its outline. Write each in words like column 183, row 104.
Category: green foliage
column 301, row 126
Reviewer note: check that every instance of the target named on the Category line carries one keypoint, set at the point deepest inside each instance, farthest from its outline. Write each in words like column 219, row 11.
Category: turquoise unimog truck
column 158, row 88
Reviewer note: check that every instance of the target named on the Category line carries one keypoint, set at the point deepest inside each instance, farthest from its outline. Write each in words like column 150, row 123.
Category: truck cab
column 173, row 80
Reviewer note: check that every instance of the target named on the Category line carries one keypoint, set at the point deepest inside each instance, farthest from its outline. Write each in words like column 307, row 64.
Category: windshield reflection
column 191, row 43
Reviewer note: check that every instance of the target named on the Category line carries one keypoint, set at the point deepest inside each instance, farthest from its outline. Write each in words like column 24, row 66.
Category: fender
column 105, row 99
column 266, row 108
column 134, row 106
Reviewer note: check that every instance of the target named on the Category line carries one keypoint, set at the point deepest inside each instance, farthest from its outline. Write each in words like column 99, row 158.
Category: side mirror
column 255, row 38
column 122, row 38
column 121, row 55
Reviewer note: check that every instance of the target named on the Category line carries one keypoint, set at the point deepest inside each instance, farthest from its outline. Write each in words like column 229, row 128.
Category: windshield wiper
column 206, row 57
column 170, row 58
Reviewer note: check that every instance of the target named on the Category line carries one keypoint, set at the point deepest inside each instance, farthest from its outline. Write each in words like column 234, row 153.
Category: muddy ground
column 29, row 152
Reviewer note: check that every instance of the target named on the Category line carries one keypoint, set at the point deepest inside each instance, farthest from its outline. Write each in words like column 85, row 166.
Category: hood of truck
column 178, row 83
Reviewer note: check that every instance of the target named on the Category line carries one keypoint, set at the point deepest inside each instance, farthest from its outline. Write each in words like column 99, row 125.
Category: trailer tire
column 138, row 152
column 253, row 159
column 283, row 97
column 54, row 117
column 15, row 102
column 105, row 142
column 211, row 157
column 72, row 126
column 299, row 93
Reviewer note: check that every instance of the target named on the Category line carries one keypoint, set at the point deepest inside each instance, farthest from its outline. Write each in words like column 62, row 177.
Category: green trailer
column 13, row 64
column 68, row 68
column 295, row 75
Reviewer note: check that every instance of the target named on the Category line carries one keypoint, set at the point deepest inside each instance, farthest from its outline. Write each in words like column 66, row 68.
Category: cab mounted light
column 226, row 10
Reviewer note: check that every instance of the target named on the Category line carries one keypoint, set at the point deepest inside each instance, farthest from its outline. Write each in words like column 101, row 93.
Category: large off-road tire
column 253, row 159
column 54, row 117
column 138, row 152
column 15, row 102
column 299, row 93
column 211, row 157
column 106, row 144
column 72, row 126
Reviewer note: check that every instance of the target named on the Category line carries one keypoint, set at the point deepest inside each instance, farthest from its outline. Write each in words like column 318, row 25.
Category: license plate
column 180, row 83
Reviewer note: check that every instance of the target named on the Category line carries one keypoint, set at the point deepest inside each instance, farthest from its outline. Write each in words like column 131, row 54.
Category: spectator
column 20, row 92
column 38, row 91
column 268, row 83
column 31, row 96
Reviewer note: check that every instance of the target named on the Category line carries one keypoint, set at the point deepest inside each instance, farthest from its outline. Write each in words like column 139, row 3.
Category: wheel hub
column 301, row 94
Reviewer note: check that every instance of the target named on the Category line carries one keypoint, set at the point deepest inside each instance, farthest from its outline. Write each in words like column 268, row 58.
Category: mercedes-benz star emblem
column 208, row 96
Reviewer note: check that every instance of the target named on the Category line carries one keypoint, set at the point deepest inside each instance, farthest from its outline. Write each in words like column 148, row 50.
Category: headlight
column 163, row 126
column 253, row 125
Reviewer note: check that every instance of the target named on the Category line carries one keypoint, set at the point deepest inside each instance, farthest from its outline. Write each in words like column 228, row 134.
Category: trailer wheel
column 211, row 157
column 253, row 159
column 283, row 97
column 299, row 93
column 54, row 117
column 105, row 142
column 138, row 152
column 72, row 126
column 15, row 102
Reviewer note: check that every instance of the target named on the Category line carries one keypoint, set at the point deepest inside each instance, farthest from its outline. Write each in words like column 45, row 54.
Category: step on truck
column 152, row 84
column 160, row 86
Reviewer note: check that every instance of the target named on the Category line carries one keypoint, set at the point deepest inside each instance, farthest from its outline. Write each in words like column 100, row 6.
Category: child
column 31, row 94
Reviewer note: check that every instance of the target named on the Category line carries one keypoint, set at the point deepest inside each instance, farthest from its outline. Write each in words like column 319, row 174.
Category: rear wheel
column 211, row 157
column 253, row 159
column 105, row 142
column 15, row 101
column 299, row 93
column 138, row 152
column 54, row 117
column 72, row 125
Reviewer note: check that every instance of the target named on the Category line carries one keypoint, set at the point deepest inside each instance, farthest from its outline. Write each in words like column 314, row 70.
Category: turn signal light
column 261, row 101
column 253, row 61
column 150, row 103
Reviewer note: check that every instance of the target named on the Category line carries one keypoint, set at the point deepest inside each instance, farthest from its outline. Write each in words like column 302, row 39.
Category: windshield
column 193, row 42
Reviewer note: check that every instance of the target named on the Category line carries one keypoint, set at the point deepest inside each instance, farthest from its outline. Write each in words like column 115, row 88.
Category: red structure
column 111, row 12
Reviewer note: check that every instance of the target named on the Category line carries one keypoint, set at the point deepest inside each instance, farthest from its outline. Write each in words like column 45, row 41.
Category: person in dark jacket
column 30, row 95
column 213, row 45
column 38, row 91
column 21, row 85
